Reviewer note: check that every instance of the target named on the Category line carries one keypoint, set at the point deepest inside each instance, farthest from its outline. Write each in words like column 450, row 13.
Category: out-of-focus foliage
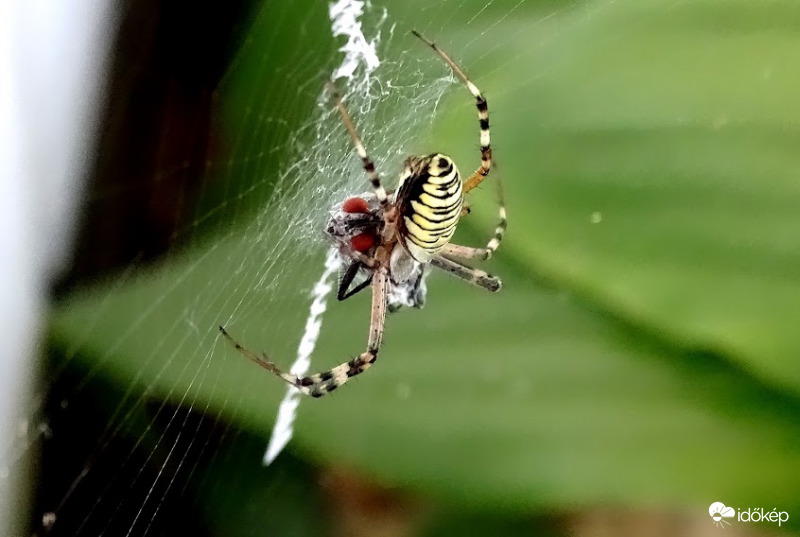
column 643, row 349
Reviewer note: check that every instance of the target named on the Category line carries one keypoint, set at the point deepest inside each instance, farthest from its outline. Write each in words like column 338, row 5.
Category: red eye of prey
column 362, row 242
column 355, row 205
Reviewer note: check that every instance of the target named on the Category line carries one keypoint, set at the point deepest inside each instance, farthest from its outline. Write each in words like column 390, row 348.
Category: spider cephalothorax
column 355, row 227
column 388, row 240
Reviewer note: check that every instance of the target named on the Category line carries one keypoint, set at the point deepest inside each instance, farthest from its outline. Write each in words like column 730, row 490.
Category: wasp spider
column 389, row 239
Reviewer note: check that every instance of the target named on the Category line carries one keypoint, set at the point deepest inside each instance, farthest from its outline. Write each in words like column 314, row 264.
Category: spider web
column 270, row 217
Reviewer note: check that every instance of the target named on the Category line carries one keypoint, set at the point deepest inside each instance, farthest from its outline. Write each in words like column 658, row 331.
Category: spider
column 389, row 239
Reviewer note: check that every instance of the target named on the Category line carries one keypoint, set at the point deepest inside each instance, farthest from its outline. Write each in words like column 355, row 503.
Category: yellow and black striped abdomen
column 429, row 199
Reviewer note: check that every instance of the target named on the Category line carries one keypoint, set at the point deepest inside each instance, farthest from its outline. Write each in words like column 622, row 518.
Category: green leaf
column 641, row 350
column 652, row 165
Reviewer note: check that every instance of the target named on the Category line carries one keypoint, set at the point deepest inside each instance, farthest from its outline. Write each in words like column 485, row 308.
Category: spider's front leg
column 321, row 383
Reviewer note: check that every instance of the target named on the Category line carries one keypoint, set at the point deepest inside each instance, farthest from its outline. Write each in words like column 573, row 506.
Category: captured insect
column 388, row 240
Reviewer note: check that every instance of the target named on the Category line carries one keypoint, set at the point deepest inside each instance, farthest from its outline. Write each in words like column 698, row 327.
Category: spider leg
column 467, row 252
column 321, row 383
column 471, row 275
column 483, row 116
column 369, row 166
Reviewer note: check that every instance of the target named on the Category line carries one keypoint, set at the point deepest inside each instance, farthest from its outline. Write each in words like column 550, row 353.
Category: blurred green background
column 639, row 364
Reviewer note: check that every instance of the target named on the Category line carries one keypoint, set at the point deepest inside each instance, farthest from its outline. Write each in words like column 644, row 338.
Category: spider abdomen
column 429, row 199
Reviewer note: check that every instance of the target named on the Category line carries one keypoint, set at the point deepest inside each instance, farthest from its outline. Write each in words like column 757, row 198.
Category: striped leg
column 369, row 166
column 322, row 383
column 467, row 252
column 483, row 117
column 471, row 275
